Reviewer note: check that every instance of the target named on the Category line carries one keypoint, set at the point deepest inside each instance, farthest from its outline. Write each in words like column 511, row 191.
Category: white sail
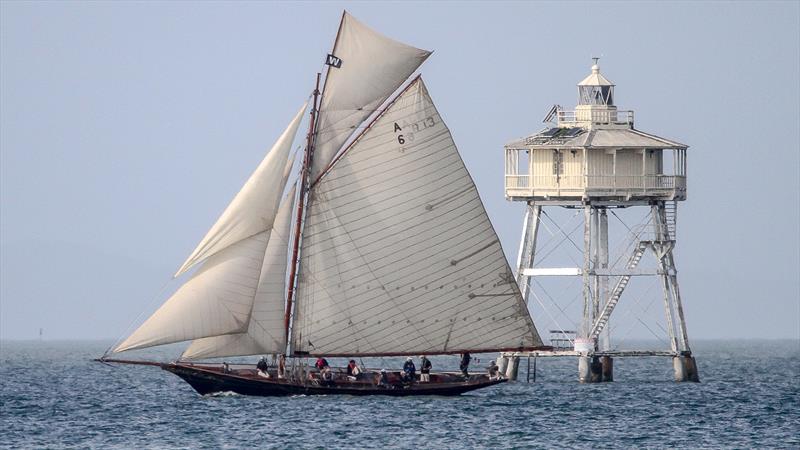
column 265, row 332
column 216, row 300
column 372, row 68
column 219, row 296
column 253, row 209
column 398, row 253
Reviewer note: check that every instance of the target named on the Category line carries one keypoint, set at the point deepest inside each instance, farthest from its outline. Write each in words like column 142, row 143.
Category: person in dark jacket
column 262, row 367
column 424, row 369
column 464, row 366
column 409, row 370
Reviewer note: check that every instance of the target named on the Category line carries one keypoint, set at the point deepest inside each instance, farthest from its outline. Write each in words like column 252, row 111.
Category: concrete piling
column 595, row 369
column 685, row 368
column 513, row 368
column 607, row 368
column 584, row 369
column 502, row 364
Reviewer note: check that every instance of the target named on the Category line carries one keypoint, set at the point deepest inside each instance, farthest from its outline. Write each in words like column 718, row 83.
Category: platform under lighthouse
column 593, row 162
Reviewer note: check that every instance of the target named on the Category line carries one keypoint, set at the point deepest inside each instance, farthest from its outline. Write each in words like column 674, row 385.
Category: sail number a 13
column 408, row 135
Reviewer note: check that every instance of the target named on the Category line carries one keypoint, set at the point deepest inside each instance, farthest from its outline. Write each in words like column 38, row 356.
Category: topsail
column 372, row 68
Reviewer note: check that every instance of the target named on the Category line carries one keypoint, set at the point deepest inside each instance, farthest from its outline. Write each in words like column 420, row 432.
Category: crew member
column 409, row 370
column 424, row 369
column 465, row 359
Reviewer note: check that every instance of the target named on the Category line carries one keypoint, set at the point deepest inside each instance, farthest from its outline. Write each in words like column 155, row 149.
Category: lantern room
column 594, row 153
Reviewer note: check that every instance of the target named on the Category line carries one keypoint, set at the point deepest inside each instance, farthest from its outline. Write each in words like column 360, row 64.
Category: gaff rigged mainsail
column 398, row 254
column 218, row 298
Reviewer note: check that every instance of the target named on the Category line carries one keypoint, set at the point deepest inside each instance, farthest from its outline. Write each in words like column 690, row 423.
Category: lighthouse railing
column 572, row 185
column 607, row 117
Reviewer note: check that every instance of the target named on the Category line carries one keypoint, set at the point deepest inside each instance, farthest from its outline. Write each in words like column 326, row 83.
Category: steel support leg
column 605, row 336
column 586, row 323
column 527, row 247
column 661, row 246
column 509, row 365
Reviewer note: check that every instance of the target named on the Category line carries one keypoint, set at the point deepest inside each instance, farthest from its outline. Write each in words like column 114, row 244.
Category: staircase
column 605, row 313
column 670, row 218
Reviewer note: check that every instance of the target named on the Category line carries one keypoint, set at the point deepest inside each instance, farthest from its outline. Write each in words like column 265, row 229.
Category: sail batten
column 398, row 253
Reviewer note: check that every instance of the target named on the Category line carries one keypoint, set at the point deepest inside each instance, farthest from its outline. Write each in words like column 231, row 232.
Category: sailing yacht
column 379, row 246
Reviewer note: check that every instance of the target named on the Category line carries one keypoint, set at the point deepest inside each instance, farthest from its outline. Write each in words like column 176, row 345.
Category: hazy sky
column 125, row 129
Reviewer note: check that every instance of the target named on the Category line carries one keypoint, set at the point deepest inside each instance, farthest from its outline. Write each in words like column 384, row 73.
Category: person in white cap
column 409, row 370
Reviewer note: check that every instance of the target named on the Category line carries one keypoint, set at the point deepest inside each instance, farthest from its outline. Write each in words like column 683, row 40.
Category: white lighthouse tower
column 594, row 161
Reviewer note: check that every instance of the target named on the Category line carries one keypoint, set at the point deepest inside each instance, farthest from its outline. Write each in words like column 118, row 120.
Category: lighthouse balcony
column 589, row 118
column 599, row 187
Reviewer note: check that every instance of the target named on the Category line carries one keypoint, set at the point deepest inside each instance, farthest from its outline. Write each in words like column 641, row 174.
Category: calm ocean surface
column 52, row 395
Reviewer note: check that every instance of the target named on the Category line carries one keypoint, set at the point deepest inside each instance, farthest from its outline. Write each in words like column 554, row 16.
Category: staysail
column 398, row 254
column 253, row 209
column 371, row 68
column 265, row 331
column 219, row 296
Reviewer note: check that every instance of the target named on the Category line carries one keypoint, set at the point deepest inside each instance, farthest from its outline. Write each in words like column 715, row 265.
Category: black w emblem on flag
column 333, row 61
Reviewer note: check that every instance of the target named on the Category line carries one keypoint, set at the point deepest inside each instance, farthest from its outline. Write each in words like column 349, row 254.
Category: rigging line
column 556, row 247
column 424, row 269
column 571, row 257
column 399, row 233
column 418, row 225
column 374, row 276
column 362, row 125
column 445, row 311
column 361, row 128
column 130, row 328
column 303, row 197
column 343, row 151
column 408, row 207
column 627, row 246
column 422, row 292
column 322, row 285
column 552, row 300
column 421, row 150
column 417, row 264
column 629, row 311
column 555, row 321
column 544, row 213
column 402, row 188
column 551, row 239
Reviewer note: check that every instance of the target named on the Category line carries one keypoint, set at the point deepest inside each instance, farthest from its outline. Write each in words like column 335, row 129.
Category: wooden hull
column 209, row 379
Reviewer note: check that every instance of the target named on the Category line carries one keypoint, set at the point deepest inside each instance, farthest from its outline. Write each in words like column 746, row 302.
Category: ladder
column 670, row 218
column 605, row 313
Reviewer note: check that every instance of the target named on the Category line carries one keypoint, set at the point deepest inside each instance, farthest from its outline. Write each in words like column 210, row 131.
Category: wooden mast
column 304, row 188
column 309, row 153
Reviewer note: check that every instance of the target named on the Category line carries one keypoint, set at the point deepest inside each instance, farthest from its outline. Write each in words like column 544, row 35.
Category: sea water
column 52, row 395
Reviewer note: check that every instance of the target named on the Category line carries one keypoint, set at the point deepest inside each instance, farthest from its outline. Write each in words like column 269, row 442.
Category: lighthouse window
column 558, row 163
column 597, row 95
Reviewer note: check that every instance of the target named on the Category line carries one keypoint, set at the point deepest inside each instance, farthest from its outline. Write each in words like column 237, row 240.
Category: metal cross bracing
column 605, row 276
